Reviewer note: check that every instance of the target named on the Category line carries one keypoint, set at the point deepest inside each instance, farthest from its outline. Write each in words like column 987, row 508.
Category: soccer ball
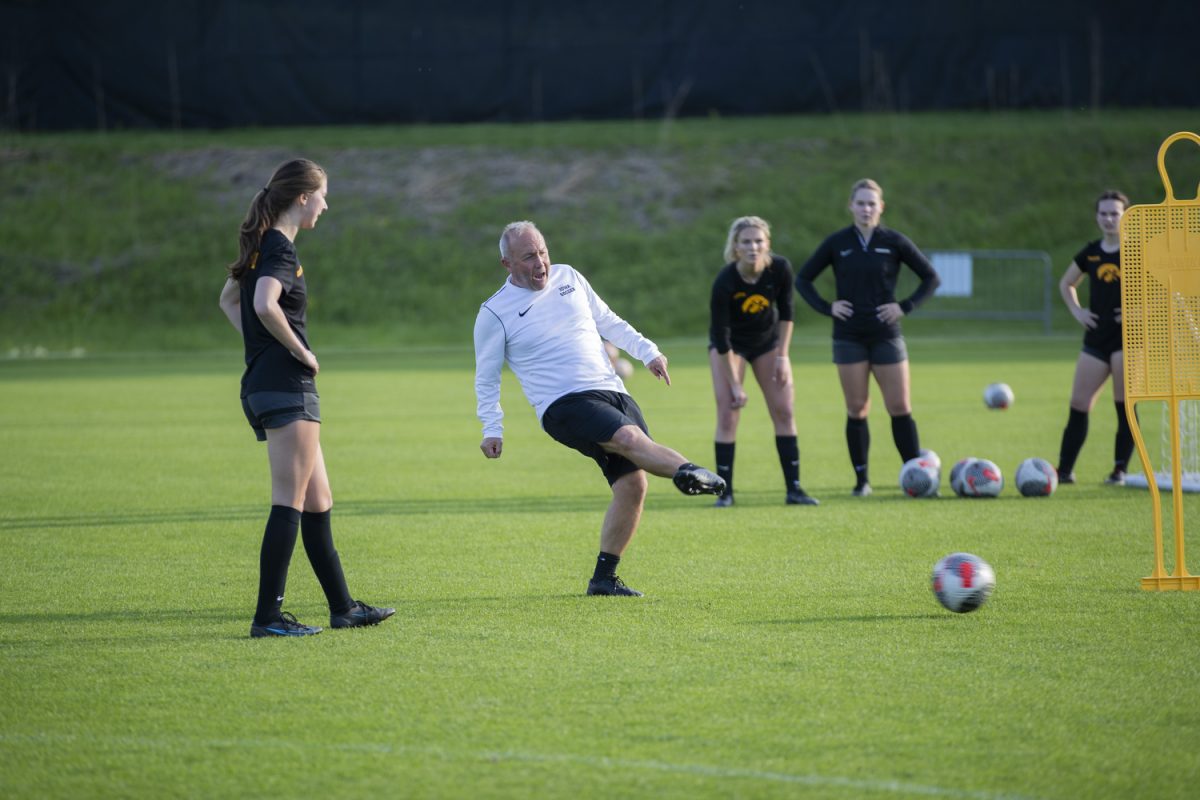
column 998, row 396
column 956, row 474
column 624, row 367
column 963, row 582
column 1036, row 478
column 981, row 478
column 918, row 478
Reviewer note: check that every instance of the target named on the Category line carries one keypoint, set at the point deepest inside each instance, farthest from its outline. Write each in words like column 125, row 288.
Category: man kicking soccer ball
column 549, row 324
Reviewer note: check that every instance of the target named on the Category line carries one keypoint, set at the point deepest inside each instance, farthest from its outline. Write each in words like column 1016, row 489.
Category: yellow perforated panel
column 1160, row 308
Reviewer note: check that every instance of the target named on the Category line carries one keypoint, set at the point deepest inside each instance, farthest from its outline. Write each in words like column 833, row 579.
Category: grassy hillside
column 118, row 241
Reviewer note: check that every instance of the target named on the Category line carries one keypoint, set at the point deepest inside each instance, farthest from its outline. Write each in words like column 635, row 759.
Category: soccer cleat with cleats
column 861, row 490
column 1066, row 477
column 1117, row 478
column 724, row 501
column 612, row 587
column 691, row 479
column 360, row 615
column 286, row 625
column 798, row 497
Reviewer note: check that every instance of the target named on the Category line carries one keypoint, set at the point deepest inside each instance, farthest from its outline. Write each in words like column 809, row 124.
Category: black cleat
column 798, row 497
column 724, row 501
column 1117, row 478
column 359, row 615
column 286, row 625
column 613, row 587
column 862, row 490
column 1066, row 477
column 691, row 479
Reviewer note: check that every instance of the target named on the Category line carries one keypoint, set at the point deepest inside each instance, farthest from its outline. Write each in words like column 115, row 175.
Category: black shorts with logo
column 582, row 420
column 275, row 409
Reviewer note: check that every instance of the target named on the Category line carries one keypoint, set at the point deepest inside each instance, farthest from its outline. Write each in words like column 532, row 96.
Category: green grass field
column 779, row 652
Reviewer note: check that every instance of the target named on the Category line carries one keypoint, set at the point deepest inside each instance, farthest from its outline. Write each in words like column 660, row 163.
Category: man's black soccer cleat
column 614, row 587
column 1117, row 478
column 286, row 625
column 360, row 614
column 691, row 479
column 798, row 497
column 1066, row 477
column 862, row 490
column 724, row 501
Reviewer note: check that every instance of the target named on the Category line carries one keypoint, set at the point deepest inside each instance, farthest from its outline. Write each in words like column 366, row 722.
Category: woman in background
column 867, row 340
column 265, row 298
column 751, row 323
column 1103, row 351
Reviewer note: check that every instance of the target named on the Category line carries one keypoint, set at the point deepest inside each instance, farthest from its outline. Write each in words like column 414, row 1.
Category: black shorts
column 751, row 353
column 275, row 409
column 583, row 420
column 1104, row 340
column 890, row 350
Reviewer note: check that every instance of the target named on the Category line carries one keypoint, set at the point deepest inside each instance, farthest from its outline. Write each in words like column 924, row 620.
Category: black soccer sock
column 1074, row 435
column 904, row 434
column 606, row 566
column 1123, row 447
column 725, row 463
column 279, row 539
column 789, row 460
column 858, row 440
column 318, row 544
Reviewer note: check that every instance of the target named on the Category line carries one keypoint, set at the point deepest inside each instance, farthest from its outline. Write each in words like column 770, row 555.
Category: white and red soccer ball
column 963, row 582
column 976, row 477
column 998, row 396
column 921, row 476
column 1036, row 477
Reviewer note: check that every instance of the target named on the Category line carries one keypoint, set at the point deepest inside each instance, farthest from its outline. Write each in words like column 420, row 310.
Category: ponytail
column 291, row 179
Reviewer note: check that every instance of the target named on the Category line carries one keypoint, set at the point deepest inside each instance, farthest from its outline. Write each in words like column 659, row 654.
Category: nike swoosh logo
column 845, row 253
column 526, row 311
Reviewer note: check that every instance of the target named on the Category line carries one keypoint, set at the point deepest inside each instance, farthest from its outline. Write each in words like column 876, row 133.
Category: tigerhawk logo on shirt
column 1109, row 273
column 755, row 304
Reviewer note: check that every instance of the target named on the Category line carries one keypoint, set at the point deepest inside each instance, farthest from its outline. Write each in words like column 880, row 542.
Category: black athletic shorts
column 891, row 350
column 275, row 409
column 583, row 420
column 1104, row 340
column 751, row 353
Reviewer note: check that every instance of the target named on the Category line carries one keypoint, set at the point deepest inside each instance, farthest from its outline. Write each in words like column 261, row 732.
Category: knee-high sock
column 789, row 460
column 858, row 441
column 279, row 540
column 318, row 544
column 1123, row 446
column 725, row 451
column 904, row 434
column 1074, row 435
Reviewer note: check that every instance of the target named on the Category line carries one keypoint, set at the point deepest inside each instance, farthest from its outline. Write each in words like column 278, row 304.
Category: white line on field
column 494, row 756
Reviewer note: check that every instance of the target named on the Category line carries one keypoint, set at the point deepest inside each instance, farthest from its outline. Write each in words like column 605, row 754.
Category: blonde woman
column 751, row 324
column 866, row 259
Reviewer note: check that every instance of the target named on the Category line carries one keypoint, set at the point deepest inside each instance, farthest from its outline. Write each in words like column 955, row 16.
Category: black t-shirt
column 1104, row 288
column 866, row 275
column 269, row 366
column 745, row 316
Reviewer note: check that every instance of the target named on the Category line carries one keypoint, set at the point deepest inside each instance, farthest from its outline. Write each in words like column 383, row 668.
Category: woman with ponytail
column 265, row 299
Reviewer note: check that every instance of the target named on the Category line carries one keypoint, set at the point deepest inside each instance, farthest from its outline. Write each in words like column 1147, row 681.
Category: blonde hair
column 290, row 180
column 739, row 225
column 514, row 229
column 866, row 183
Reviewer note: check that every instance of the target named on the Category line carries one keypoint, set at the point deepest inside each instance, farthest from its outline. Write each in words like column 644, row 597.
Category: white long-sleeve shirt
column 552, row 341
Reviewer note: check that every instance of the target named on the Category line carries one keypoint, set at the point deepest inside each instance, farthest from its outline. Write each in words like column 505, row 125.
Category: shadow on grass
column 359, row 508
column 847, row 618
